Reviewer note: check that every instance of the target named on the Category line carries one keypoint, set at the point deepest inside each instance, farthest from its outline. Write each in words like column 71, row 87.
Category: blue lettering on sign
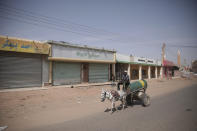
column 11, row 45
column 25, row 46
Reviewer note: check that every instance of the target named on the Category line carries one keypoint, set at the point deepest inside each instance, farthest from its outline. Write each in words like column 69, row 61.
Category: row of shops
column 26, row 63
column 138, row 67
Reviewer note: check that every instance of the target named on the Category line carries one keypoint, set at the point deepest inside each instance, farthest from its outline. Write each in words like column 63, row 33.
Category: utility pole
column 162, row 59
column 163, row 53
column 179, row 58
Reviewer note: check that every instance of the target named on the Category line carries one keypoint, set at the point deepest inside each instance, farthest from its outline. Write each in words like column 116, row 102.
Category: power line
column 37, row 24
column 30, row 17
column 182, row 46
column 58, row 24
column 34, row 18
column 56, row 19
column 71, row 25
column 38, row 19
column 41, row 23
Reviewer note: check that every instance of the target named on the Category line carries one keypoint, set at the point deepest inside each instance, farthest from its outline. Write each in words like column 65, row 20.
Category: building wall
column 122, row 58
column 45, row 69
column 143, row 60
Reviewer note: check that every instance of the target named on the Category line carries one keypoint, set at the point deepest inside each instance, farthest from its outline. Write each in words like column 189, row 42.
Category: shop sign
column 18, row 45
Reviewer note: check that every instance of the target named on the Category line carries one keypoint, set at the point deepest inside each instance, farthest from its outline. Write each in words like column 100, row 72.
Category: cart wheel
column 145, row 100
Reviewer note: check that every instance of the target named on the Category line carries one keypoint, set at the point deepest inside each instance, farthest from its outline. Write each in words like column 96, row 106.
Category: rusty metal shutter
column 66, row 73
column 98, row 72
column 20, row 70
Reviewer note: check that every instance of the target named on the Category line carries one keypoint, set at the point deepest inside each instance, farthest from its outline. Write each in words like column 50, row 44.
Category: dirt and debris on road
column 25, row 109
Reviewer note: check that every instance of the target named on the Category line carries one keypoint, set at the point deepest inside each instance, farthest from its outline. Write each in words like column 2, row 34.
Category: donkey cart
column 136, row 91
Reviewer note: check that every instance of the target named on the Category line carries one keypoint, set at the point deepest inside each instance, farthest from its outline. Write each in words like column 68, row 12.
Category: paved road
column 174, row 112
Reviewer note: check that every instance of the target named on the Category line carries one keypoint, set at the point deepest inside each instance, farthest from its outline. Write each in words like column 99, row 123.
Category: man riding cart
column 125, row 81
column 135, row 90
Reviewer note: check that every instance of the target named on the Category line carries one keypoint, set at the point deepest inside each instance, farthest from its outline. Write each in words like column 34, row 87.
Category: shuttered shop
column 98, row 72
column 66, row 73
column 20, row 70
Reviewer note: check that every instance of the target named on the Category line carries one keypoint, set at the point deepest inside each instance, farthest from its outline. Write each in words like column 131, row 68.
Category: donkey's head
column 103, row 95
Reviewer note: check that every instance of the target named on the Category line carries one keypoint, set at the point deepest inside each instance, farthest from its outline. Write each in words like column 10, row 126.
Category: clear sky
column 137, row 27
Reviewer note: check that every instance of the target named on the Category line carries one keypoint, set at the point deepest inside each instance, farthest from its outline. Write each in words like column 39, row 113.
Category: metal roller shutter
column 20, row 70
column 98, row 72
column 66, row 73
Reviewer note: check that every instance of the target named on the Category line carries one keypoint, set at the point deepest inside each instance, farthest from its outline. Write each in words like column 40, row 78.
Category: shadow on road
column 119, row 108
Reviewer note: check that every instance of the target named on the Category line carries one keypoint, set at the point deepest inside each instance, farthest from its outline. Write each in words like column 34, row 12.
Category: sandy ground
column 26, row 109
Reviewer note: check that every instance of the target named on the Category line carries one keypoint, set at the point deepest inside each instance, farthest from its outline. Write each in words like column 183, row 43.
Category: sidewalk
column 61, row 86
column 71, row 86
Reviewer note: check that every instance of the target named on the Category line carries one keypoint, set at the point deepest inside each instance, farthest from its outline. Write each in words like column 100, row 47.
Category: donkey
column 114, row 96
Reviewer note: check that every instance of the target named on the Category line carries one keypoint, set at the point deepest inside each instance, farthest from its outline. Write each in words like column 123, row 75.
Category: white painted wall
column 121, row 57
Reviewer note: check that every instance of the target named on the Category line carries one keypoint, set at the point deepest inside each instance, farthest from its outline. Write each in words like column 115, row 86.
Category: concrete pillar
column 149, row 72
column 82, row 71
column 129, row 71
column 156, row 72
column 109, row 75
column 50, row 71
column 114, row 70
column 161, row 72
column 140, row 72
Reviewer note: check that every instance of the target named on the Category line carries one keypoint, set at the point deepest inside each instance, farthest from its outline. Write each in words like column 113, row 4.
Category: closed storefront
column 66, row 73
column 23, row 63
column 98, row 72
column 73, row 64
column 168, row 68
column 20, row 70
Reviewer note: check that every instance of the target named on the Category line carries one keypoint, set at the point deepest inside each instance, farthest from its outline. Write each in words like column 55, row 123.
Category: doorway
column 85, row 72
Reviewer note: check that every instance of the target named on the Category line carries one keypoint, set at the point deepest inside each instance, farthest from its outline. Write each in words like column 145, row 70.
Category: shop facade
column 74, row 64
column 144, row 68
column 23, row 63
column 137, row 67
column 169, row 69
